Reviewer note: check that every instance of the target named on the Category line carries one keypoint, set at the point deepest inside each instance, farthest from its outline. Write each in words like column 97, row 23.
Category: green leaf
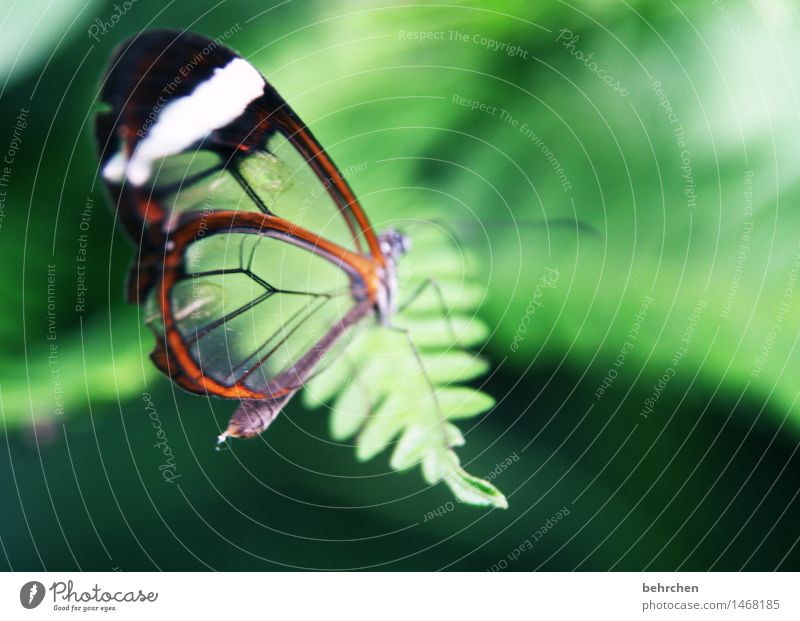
column 475, row 491
column 391, row 397
column 326, row 386
column 445, row 466
column 415, row 443
column 436, row 333
column 384, row 425
column 349, row 413
column 454, row 366
column 463, row 402
column 411, row 448
column 460, row 296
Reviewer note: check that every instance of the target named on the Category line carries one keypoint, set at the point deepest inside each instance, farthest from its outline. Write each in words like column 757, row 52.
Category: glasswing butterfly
column 234, row 207
column 255, row 262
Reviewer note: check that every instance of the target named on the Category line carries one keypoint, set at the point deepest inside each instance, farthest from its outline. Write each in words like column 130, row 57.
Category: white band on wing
column 214, row 103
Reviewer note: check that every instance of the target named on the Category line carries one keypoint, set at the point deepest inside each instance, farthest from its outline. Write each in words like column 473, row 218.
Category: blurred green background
column 667, row 131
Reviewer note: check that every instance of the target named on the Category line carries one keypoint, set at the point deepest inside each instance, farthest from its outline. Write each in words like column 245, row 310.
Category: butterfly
column 255, row 261
column 235, row 207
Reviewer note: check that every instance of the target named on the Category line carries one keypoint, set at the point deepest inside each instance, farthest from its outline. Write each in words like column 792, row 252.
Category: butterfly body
column 393, row 246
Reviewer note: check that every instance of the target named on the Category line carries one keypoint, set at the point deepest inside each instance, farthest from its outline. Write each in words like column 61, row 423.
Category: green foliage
column 662, row 229
column 61, row 374
column 670, row 494
column 381, row 394
column 21, row 51
column 428, row 157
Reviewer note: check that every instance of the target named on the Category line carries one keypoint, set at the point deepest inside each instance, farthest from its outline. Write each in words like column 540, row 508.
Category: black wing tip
column 164, row 38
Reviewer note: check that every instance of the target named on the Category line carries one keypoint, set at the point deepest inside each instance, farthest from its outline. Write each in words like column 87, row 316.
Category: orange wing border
column 171, row 354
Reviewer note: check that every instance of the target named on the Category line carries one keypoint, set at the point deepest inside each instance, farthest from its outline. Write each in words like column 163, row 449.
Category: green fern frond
column 379, row 395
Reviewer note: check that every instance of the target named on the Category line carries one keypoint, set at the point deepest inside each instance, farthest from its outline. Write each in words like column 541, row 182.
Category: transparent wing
column 177, row 136
column 276, row 181
column 253, row 314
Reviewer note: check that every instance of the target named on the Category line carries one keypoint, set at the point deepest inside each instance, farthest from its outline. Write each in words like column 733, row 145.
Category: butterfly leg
column 432, row 283
column 431, row 386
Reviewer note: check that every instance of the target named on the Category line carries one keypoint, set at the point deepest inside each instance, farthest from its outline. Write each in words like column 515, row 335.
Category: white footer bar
column 400, row 596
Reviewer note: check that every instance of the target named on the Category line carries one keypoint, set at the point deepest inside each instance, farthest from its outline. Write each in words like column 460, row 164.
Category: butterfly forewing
column 194, row 127
column 277, row 181
column 291, row 189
